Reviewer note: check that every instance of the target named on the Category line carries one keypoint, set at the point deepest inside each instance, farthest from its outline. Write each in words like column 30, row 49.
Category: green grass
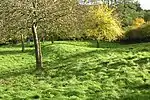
column 76, row 71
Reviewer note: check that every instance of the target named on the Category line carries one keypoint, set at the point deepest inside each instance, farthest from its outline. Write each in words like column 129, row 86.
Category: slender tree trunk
column 111, row 2
column 52, row 39
column 97, row 43
column 22, row 43
column 108, row 3
column 38, row 53
column 124, row 4
column 43, row 39
column 43, row 36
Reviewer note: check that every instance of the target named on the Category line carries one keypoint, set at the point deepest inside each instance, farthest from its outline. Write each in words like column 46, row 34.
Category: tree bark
column 38, row 53
column 22, row 43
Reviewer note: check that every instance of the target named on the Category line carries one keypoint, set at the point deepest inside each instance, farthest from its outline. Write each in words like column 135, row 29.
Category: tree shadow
column 73, row 58
column 136, row 96
column 143, row 87
column 17, row 45
column 91, row 44
column 15, row 52
column 75, row 43
column 112, row 46
column 73, row 65
column 142, row 95
column 16, row 72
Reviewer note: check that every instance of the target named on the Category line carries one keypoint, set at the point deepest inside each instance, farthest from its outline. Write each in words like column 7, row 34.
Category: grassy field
column 76, row 71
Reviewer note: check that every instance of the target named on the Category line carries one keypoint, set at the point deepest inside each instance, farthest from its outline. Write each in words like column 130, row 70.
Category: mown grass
column 76, row 71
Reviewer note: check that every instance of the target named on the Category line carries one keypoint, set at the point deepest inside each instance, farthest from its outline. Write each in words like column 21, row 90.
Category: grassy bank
column 76, row 71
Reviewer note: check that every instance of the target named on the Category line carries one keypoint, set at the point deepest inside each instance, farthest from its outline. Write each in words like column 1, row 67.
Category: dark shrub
column 140, row 34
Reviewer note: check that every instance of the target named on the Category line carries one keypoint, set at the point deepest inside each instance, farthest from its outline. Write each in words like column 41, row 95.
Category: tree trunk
column 97, row 43
column 43, row 39
column 108, row 3
column 111, row 2
column 52, row 39
column 124, row 4
column 43, row 36
column 38, row 53
column 22, row 43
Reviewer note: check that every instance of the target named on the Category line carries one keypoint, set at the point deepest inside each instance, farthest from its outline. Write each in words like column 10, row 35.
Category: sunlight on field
column 76, row 71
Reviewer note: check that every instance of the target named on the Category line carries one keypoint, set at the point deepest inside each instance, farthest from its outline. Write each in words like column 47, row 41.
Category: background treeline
column 113, row 20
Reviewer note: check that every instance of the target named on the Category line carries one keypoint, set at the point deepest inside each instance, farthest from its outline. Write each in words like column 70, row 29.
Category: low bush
column 138, row 34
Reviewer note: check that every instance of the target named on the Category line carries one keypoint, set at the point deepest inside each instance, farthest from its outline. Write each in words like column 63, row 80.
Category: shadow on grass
column 136, row 96
column 16, row 72
column 91, row 44
column 143, row 87
column 142, row 95
column 77, row 43
column 112, row 46
column 14, row 52
column 72, row 60
column 17, row 45
column 139, row 92
column 72, row 65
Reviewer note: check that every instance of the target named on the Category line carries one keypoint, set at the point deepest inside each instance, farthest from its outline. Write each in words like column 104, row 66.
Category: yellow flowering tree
column 102, row 24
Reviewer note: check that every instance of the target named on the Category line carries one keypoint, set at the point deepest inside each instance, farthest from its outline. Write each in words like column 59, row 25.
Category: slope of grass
column 76, row 71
